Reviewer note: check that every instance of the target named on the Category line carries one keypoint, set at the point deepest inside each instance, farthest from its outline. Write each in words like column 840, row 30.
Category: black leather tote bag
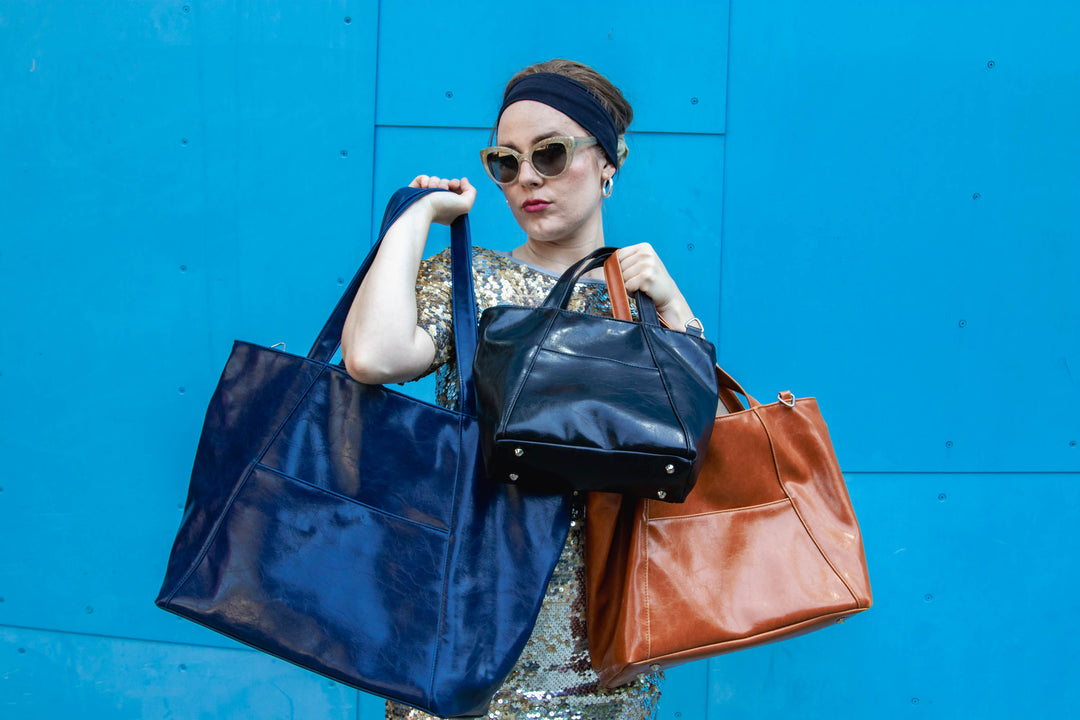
column 573, row 400
column 351, row 530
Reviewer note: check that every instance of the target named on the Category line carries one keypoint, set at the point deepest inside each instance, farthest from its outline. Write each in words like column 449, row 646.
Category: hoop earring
column 607, row 188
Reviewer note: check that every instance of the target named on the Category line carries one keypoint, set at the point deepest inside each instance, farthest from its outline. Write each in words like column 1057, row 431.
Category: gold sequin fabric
column 553, row 679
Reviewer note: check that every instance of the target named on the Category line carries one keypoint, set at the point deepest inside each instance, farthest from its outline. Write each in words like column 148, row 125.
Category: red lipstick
column 532, row 206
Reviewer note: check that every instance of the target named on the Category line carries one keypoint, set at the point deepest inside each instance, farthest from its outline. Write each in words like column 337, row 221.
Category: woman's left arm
column 642, row 270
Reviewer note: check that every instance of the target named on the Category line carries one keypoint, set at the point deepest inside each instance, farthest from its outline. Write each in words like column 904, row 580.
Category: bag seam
column 451, row 540
column 512, row 404
column 795, row 507
column 691, row 449
column 354, row 501
column 212, row 535
column 597, row 358
column 709, row 513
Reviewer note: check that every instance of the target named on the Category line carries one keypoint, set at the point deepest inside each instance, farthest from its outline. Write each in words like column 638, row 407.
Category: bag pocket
column 281, row 538
column 751, row 552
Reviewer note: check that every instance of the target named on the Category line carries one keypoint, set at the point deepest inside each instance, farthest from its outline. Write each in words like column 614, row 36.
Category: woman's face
column 565, row 208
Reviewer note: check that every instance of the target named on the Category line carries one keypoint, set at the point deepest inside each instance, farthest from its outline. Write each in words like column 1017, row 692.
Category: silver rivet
column 669, row 469
column 519, row 452
column 654, row 668
column 573, row 523
column 661, row 494
column 513, row 477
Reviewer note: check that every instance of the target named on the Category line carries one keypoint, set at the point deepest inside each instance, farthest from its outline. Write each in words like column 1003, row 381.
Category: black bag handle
column 463, row 298
column 559, row 297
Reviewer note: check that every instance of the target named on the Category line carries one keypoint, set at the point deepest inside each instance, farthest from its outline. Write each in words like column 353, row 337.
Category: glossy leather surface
column 351, row 530
column 766, row 547
column 572, row 400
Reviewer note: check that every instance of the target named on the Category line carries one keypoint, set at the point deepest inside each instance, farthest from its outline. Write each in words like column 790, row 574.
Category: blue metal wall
column 873, row 203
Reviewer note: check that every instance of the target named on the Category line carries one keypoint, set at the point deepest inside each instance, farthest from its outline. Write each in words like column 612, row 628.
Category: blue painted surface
column 874, row 205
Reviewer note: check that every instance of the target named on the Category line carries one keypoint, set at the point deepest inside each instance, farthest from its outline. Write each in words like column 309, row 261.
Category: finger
column 467, row 188
column 418, row 181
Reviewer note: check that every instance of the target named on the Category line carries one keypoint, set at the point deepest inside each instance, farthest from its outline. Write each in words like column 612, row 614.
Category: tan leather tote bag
column 766, row 547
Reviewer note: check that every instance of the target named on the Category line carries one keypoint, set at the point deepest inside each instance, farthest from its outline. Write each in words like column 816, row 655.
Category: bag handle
column 463, row 299
column 559, row 297
column 620, row 309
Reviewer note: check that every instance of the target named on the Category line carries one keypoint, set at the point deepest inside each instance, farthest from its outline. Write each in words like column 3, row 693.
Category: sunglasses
column 550, row 158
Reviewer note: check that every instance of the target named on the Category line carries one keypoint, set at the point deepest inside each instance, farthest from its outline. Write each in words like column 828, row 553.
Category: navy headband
column 572, row 99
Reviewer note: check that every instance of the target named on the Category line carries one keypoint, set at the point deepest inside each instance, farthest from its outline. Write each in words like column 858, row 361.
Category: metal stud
column 661, row 494
column 669, row 469
column 654, row 667
column 518, row 452
column 513, row 477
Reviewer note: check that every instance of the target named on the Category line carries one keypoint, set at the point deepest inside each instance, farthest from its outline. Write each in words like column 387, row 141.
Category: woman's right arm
column 381, row 342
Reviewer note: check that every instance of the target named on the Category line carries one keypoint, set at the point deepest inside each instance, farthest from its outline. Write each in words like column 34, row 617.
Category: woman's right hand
column 446, row 207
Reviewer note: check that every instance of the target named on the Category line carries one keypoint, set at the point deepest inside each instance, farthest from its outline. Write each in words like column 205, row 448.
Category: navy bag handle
column 464, row 302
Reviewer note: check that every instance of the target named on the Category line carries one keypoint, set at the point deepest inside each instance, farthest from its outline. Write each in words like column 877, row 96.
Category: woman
column 559, row 145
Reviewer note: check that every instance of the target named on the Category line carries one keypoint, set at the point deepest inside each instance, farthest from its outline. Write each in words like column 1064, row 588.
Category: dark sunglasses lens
column 549, row 160
column 503, row 167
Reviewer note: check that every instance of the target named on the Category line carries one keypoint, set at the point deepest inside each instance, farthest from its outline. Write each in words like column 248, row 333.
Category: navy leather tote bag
column 350, row 529
column 574, row 400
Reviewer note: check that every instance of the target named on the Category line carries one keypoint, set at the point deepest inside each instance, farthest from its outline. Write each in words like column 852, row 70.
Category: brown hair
column 605, row 91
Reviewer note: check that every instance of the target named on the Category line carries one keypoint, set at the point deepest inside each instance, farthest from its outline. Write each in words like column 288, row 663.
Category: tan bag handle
column 620, row 310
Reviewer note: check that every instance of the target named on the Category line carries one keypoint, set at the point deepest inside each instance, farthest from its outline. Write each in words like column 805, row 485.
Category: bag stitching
column 708, row 513
column 648, row 604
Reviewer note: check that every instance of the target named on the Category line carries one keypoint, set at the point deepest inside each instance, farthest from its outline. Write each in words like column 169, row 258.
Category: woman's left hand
column 642, row 270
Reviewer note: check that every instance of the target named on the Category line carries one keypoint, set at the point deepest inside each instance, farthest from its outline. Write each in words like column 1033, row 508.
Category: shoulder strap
column 464, row 303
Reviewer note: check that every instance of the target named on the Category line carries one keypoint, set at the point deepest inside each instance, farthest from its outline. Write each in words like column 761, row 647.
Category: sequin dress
column 553, row 679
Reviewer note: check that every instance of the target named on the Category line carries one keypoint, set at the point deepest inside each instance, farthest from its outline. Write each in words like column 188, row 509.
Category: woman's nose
column 527, row 175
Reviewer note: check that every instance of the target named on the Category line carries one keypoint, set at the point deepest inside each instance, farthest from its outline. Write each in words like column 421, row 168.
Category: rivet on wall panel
column 948, row 443
column 928, row 597
column 186, row 8
column 182, row 667
column 689, row 246
column 22, row 651
column 344, row 153
column 89, row 610
column 348, row 19
column 962, row 323
column 449, row 94
column 914, row 701
column 975, row 196
column 183, row 142
column 183, row 268
column 693, row 101
column 181, row 389
column 1072, row 443
column 942, row 497
column 990, row 64
column 341, row 281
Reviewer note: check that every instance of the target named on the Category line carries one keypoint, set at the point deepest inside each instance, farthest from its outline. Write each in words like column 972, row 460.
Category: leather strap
column 620, row 309
column 620, row 303
column 463, row 299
